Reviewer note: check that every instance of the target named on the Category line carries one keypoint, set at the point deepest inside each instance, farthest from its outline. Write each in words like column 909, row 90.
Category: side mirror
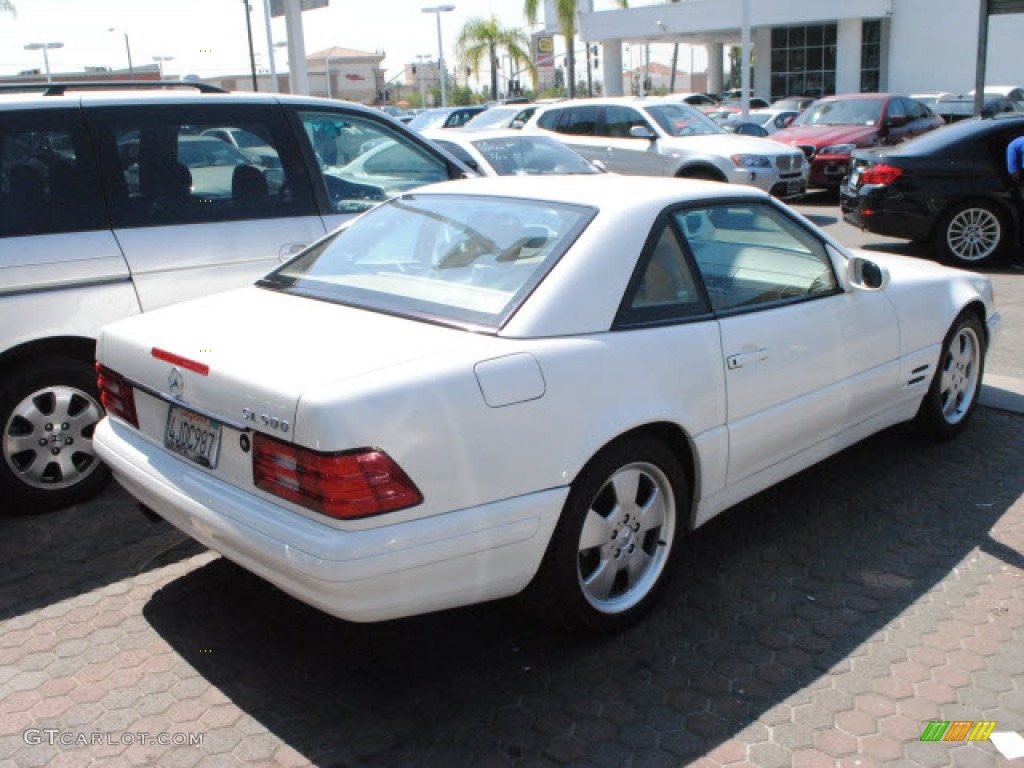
column 642, row 132
column 866, row 274
column 517, row 124
column 897, row 121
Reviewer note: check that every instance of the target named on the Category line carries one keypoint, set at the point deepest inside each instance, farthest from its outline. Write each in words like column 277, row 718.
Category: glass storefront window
column 803, row 60
column 871, row 56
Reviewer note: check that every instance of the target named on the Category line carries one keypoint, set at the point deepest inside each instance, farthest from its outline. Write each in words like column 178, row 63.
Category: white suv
column 648, row 137
column 119, row 201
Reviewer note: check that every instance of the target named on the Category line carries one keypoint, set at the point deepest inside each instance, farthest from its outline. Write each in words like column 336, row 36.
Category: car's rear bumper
column 882, row 213
column 462, row 557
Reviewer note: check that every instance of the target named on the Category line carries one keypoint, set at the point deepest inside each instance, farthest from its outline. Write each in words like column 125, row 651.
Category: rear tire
column 953, row 394
column 48, row 411
column 974, row 234
column 613, row 548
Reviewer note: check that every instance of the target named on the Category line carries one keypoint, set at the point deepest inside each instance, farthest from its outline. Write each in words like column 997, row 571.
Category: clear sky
column 208, row 37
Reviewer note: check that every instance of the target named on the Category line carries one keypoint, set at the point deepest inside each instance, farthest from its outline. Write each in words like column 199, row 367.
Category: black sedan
column 949, row 186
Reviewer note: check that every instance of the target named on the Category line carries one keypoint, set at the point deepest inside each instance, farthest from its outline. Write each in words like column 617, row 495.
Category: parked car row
column 360, row 426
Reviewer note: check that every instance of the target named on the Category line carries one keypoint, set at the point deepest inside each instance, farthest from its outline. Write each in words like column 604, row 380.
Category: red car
column 831, row 128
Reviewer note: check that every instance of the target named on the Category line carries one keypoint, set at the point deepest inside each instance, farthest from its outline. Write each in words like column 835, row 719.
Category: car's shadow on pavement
column 769, row 602
column 55, row 556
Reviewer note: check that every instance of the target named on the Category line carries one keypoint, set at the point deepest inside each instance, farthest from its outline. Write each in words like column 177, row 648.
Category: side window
column 192, row 164
column 549, row 119
column 752, row 256
column 364, row 162
column 664, row 288
column 458, row 152
column 48, row 179
column 580, row 121
column 618, row 120
column 896, row 109
column 460, row 118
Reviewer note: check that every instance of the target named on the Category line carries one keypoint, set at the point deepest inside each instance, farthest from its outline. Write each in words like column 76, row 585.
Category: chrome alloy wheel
column 47, row 441
column 959, row 374
column 974, row 234
column 626, row 537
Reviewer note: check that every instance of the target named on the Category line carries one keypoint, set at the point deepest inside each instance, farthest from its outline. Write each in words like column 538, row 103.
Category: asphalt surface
column 824, row 622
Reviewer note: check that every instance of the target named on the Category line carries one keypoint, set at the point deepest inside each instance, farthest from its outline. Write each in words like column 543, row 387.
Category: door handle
column 733, row 362
column 288, row 250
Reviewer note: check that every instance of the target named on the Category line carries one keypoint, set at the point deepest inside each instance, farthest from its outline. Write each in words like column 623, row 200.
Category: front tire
column 953, row 394
column 613, row 548
column 973, row 234
column 48, row 411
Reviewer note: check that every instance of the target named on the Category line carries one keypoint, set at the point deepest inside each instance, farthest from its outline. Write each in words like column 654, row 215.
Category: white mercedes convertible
column 495, row 384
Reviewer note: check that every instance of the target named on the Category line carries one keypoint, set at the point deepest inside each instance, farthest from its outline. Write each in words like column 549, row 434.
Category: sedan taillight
column 881, row 175
column 345, row 486
column 116, row 394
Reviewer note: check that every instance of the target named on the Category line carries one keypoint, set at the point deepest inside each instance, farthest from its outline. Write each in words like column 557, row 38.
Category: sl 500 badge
column 264, row 420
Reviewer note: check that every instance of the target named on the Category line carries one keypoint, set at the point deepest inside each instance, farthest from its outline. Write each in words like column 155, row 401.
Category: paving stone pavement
column 823, row 623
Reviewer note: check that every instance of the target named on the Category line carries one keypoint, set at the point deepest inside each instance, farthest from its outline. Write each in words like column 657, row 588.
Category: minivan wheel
column 48, row 411
column 973, row 234
column 615, row 542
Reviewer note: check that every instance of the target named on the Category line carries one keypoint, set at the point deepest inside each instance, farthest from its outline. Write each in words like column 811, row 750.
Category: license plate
column 794, row 188
column 195, row 437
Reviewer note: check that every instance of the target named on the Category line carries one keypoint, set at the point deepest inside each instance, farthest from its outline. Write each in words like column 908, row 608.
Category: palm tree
column 8, row 7
column 484, row 37
column 566, row 11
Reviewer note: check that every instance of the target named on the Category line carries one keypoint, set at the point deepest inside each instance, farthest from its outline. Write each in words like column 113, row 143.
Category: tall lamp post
column 44, row 47
column 160, row 63
column 438, row 10
column 327, row 68
column 128, row 50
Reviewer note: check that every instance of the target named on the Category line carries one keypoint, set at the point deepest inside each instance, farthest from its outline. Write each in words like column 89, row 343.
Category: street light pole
column 44, row 47
column 327, row 66
column 438, row 10
column 128, row 50
column 252, row 52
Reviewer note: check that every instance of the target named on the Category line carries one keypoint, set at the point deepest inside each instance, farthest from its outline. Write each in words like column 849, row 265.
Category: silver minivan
column 118, row 201
column 655, row 137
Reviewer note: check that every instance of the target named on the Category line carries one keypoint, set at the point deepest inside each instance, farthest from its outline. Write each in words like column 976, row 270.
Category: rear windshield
column 455, row 259
column 531, row 156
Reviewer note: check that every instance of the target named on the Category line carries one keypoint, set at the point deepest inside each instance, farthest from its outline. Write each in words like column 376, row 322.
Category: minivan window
column 364, row 162
column 167, row 165
column 618, row 120
column 580, row 121
column 48, row 179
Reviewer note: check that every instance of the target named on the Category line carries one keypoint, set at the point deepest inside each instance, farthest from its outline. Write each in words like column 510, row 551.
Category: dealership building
column 825, row 46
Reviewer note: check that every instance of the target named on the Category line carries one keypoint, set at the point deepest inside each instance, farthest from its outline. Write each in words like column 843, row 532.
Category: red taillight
column 881, row 174
column 345, row 486
column 116, row 394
